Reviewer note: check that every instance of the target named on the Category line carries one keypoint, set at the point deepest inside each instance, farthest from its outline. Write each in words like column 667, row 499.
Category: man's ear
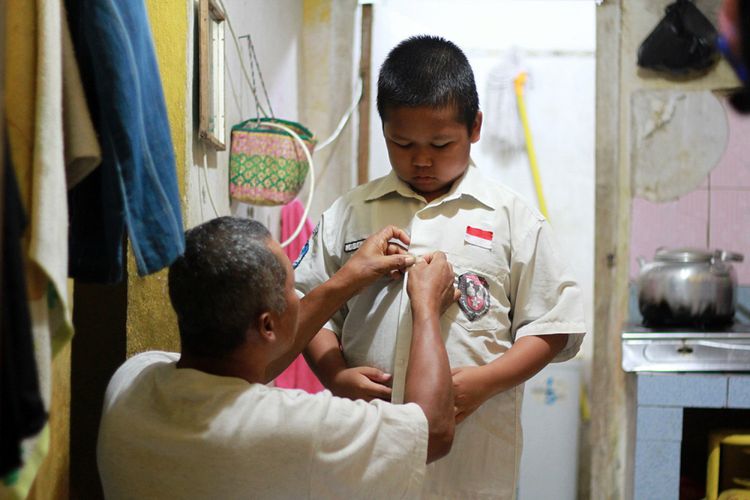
column 266, row 327
column 476, row 128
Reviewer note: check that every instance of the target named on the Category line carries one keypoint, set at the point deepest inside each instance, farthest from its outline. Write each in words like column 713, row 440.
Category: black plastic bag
column 683, row 42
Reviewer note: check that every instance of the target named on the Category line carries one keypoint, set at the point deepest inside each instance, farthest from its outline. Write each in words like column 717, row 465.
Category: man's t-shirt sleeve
column 378, row 449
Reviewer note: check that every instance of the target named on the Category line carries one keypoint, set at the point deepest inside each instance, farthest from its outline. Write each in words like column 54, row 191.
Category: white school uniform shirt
column 496, row 242
column 172, row 433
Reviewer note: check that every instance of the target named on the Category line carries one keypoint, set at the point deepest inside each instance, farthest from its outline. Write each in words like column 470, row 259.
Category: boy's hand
column 469, row 391
column 431, row 284
column 376, row 257
column 473, row 385
column 361, row 382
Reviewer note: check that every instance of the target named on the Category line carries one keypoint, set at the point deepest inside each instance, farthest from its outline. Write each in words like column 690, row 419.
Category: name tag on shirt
column 478, row 237
column 353, row 246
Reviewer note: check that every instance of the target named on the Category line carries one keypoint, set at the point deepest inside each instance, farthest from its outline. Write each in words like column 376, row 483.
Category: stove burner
column 686, row 349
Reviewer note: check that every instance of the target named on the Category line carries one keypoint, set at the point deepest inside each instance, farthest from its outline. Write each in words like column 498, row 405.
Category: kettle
column 688, row 287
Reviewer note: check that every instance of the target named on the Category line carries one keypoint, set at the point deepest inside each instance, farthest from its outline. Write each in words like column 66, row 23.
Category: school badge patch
column 475, row 295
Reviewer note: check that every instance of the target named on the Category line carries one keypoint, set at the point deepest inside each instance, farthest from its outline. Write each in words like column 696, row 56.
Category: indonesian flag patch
column 475, row 295
column 478, row 237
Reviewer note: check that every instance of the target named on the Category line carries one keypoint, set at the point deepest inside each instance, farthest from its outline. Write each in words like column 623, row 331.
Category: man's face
column 428, row 148
column 287, row 319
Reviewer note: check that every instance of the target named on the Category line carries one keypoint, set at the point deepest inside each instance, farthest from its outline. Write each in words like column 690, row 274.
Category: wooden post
column 611, row 430
column 363, row 146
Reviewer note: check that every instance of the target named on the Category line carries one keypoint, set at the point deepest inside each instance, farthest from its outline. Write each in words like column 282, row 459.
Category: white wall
column 276, row 29
column 556, row 39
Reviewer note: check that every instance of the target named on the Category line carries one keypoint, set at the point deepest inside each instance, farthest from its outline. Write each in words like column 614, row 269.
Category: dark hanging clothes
column 22, row 412
column 135, row 188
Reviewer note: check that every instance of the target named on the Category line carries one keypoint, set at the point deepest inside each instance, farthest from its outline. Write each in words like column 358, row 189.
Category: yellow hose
column 518, row 83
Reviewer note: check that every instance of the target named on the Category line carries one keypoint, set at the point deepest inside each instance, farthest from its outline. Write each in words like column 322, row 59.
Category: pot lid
column 683, row 255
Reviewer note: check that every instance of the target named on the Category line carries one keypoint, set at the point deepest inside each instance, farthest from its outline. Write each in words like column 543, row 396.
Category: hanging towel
column 22, row 412
column 82, row 151
column 135, row 187
column 298, row 375
column 33, row 100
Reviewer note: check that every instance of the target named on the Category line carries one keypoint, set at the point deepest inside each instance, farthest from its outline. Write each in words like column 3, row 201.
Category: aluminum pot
column 688, row 287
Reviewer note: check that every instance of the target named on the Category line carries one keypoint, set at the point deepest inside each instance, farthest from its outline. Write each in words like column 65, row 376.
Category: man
column 202, row 424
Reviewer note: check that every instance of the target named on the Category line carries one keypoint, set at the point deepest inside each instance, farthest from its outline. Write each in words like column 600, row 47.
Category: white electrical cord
column 336, row 133
column 303, row 219
column 344, row 119
column 208, row 189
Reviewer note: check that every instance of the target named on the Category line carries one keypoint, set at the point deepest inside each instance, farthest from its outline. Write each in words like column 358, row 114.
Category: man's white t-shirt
column 169, row 432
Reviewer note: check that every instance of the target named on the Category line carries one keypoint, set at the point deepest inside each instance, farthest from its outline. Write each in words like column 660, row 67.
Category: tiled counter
column 661, row 399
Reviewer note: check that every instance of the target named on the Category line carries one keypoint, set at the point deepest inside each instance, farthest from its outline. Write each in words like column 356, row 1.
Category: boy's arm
column 324, row 356
column 326, row 360
column 542, row 290
column 473, row 385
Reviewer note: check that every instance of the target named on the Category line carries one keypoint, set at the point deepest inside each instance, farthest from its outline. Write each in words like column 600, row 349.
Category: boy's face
column 428, row 147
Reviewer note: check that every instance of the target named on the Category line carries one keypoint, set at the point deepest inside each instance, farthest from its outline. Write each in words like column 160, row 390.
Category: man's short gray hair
column 224, row 281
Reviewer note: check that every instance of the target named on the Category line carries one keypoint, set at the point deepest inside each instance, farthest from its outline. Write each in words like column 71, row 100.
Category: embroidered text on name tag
column 353, row 245
column 478, row 237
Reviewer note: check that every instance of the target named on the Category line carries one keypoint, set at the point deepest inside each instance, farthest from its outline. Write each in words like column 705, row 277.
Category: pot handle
column 729, row 256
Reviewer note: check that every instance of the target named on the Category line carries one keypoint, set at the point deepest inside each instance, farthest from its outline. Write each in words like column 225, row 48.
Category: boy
column 519, row 309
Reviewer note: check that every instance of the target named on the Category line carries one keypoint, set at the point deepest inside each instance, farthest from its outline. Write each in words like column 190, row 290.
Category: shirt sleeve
column 546, row 299
column 378, row 448
column 317, row 263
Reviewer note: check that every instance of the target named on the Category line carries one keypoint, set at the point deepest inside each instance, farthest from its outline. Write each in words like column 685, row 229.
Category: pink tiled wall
column 716, row 215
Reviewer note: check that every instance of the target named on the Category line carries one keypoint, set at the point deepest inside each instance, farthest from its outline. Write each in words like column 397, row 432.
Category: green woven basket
column 266, row 165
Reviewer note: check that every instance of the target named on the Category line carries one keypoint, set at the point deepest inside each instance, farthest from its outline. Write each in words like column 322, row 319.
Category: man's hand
column 430, row 286
column 374, row 259
column 428, row 378
column 362, row 382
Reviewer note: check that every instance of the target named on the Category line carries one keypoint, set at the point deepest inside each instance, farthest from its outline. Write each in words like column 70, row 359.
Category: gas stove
column 686, row 350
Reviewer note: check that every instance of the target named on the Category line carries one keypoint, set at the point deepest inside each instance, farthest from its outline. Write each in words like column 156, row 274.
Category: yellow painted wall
column 52, row 477
column 151, row 322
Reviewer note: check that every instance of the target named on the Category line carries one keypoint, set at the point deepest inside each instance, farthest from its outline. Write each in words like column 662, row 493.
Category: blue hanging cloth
column 135, row 188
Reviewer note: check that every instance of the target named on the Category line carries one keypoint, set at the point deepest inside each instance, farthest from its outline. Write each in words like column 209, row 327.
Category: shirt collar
column 392, row 184
column 471, row 184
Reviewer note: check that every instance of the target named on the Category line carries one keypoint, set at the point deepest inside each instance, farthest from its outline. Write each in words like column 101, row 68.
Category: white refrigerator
column 551, row 420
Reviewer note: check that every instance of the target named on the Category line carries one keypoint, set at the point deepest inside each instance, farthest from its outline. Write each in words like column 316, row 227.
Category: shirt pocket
column 478, row 311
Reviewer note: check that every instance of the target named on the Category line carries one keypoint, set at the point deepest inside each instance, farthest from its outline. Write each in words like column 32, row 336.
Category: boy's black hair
column 429, row 71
